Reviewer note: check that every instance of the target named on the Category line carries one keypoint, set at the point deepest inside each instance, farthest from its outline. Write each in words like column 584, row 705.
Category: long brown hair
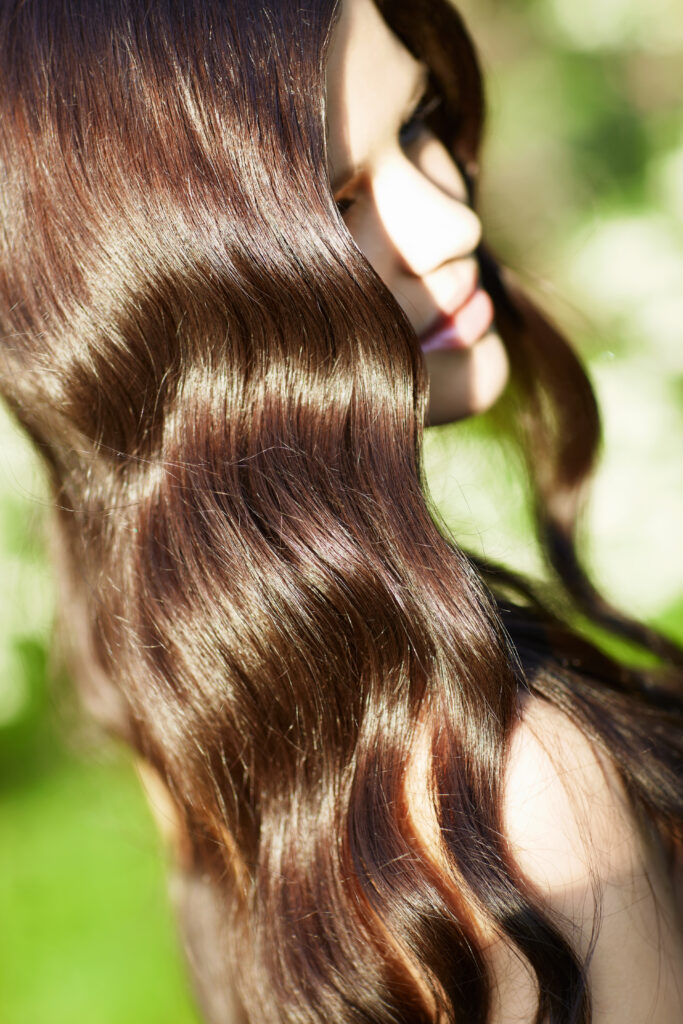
column 256, row 590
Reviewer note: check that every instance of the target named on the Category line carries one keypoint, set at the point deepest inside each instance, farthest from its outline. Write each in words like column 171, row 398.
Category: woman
column 400, row 787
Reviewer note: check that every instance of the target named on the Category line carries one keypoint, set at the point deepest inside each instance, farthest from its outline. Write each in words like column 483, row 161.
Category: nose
column 425, row 217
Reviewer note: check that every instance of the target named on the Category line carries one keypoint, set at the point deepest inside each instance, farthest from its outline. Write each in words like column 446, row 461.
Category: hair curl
column 258, row 594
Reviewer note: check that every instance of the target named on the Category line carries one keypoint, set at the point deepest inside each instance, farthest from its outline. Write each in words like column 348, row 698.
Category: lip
column 463, row 326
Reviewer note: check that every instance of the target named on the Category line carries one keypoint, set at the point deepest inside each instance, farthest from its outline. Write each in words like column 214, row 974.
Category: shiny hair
column 258, row 595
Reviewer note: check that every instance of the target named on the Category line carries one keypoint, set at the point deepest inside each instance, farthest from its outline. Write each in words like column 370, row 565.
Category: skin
column 409, row 214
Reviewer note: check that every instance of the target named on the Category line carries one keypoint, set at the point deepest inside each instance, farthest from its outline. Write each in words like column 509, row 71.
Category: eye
column 343, row 206
column 349, row 194
column 408, row 133
column 411, row 128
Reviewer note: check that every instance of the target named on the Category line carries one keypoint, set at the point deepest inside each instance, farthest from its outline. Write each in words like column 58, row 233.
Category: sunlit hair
column 257, row 593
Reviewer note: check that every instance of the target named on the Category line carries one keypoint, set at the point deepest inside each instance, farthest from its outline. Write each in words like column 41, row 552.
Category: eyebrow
column 347, row 174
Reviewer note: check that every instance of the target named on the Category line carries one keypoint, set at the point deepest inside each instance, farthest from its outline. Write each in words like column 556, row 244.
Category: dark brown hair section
column 230, row 405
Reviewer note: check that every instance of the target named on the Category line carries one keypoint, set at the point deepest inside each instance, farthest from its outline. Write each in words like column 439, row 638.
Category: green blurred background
column 583, row 196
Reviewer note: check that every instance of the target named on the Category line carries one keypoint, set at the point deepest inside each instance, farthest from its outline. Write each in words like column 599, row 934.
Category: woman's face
column 404, row 202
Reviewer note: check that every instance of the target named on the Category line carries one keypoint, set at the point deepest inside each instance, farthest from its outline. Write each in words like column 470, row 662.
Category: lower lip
column 464, row 327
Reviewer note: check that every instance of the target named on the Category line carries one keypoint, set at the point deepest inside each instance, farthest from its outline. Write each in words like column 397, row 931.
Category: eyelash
column 407, row 134
column 409, row 129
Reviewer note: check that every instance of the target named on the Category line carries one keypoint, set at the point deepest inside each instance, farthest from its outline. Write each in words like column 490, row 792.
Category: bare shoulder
column 565, row 810
column 578, row 843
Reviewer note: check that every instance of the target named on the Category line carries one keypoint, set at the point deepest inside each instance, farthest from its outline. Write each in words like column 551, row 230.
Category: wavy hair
column 256, row 591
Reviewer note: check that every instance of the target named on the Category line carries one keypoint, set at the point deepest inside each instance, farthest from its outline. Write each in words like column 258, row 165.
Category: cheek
column 368, row 232
column 462, row 383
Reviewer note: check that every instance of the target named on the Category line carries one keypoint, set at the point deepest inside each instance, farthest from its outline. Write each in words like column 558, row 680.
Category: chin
column 464, row 382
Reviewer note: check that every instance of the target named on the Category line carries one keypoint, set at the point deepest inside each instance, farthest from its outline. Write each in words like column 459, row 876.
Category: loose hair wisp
column 257, row 597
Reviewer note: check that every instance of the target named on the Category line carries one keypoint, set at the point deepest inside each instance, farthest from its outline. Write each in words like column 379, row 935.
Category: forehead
column 370, row 79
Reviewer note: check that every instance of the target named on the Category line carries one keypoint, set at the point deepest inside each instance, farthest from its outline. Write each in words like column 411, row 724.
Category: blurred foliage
column 88, row 933
column 582, row 195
